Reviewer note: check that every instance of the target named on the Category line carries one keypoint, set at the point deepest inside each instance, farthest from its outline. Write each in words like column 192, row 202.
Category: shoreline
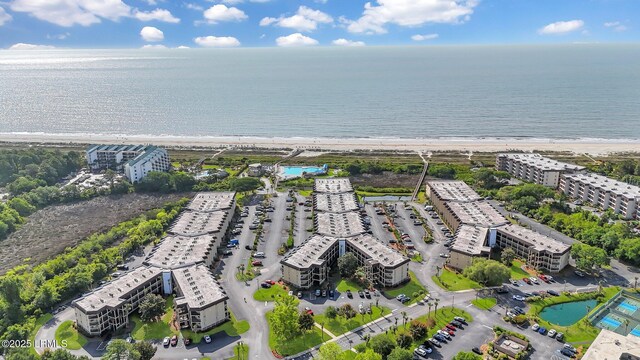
column 442, row 144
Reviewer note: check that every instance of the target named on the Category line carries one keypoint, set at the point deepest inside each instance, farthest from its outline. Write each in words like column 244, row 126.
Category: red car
column 271, row 282
column 451, row 327
column 527, row 281
column 543, row 278
column 256, row 263
column 448, row 331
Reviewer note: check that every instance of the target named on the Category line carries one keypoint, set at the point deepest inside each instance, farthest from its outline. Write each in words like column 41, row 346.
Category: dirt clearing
column 49, row 231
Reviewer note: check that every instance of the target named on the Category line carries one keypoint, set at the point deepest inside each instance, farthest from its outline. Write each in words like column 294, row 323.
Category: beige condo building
column 535, row 168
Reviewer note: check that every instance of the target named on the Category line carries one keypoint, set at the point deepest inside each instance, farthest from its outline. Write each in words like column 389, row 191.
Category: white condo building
column 535, row 168
column 603, row 192
column 136, row 161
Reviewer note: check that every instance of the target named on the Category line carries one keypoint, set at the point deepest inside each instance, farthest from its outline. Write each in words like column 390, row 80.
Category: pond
column 568, row 313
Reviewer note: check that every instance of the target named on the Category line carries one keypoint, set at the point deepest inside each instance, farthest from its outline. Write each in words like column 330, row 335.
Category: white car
column 166, row 341
column 534, row 280
column 552, row 333
column 444, row 255
column 207, row 339
column 445, row 334
column 535, row 327
column 518, row 297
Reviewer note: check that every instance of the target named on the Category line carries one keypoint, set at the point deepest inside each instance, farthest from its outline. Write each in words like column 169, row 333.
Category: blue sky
column 268, row 23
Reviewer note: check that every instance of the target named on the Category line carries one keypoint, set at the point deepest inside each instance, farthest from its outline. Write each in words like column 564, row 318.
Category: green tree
column 330, row 351
column 418, row 329
column 245, row 184
column 151, row 307
column 382, row 345
column 145, row 349
column 466, row 356
column 368, row 355
column 507, row 256
column 404, row 340
column 348, row 264
column 487, row 272
column 330, row 312
column 22, row 206
column 588, row 257
column 284, row 318
column 121, row 350
column 400, row 354
column 60, row 354
column 305, row 322
column 442, row 171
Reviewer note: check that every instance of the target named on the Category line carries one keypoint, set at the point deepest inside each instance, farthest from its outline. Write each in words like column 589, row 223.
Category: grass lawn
column 340, row 325
column 344, row 285
column 408, row 289
column 38, row 324
column 231, row 328
column 485, row 303
column 154, row 330
column 580, row 332
column 451, row 281
column 240, row 355
column 417, row 257
column 517, row 272
column 270, row 294
column 297, row 344
column 305, row 193
column 66, row 332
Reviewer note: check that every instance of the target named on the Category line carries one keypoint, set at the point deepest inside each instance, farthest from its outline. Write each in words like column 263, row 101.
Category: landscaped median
column 451, row 281
column 271, row 294
column 484, row 303
column 67, row 332
column 580, row 332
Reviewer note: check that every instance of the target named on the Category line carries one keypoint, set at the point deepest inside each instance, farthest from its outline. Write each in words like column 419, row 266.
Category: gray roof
column 534, row 239
column 339, row 224
column 376, row 251
column 479, row 213
column 606, row 184
column 198, row 288
column 179, row 251
column 310, row 252
column 332, row 185
column 211, row 201
column 449, row 190
column 192, row 223
column 471, row 240
column 542, row 163
column 335, row 202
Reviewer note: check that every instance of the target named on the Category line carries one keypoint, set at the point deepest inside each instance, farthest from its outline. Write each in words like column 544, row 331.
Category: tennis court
column 621, row 314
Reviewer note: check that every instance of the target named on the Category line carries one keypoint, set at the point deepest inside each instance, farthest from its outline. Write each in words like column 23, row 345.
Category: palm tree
column 404, row 318
column 635, row 282
column 436, row 300
column 429, row 304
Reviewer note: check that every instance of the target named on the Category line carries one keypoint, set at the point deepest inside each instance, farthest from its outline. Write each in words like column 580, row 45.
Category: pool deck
column 282, row 174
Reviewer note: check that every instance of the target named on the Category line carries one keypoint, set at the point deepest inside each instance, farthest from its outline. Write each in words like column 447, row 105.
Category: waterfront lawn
column 516, row 271
column 298, row 344
column 580, row 332
column 409, row 289
column 270, row 294
column 484, row 303
column 155, row 330
column 345, row 284
column 340, row 325
column 232, row 327
column 451, row 281
column 66, row 332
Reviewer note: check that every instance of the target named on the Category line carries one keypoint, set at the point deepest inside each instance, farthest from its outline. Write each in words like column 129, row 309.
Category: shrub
column 418, row 329
column 404, row 340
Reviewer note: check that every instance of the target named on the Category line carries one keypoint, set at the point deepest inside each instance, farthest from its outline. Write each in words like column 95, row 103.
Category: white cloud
column 192, row 6
column 345, row 42
column 220, row 12
column 296, row 39
column 615, row 25
column 561, row 27
column 59, row 36
column 151, row 34
column 217, row 41
column 182, row 47
column 23, row 46
column 73, row 12
column 4, row 17
column 374, row 18
column 151, row 2
column 305, row 19
column 157, row 14
column 424, row 37
column 150, row 46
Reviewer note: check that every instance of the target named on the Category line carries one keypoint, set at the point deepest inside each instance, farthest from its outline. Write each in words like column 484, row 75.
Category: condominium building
column 335, row 203
column 478, row 213
column 441, row 192
column 535, row 168
column 200, row 302
column 609, row 345
column 469, row 242
column 339, row 224
column 178, row 264
column 153, row 159
column 603, row 192
column 539, row 251
column 108, row 308
column 136, row 161
column 339, row 229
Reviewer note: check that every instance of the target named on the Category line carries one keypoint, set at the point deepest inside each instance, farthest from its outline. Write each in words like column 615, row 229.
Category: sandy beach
column 579, row 146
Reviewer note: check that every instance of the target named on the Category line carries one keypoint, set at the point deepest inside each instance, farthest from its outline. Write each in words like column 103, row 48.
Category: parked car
column 360, row 293
column 444, row 255
column 349, row 294
column 400, row 297
column 248, row 247
column 367, row 294
column 331, row 293
column 569, row 347
column 513, row 282
column 518, row 310
column 420, row 352
column 318, row 292
column 552, row 333
column 451, row 327
column 265, row 285
column 435, row 342
column 560, row 336
column 256, row 263
column 324, row 293
column 542, row 331
column 534, row 280
column 553, row 292
column 166, row 341
column 207, row 339
column 535, row 327
column 461, row 319
column 450, row 332
column 440, row 338
column 445, row 334
column 526, row 280
column 299, row 294
column 567, row 353
column 186, row 341
column 174, row 340
column 518, row 297
column 122, row 267
column 457, row 324
column 579, row 273
column 271, row 282
column 477, row 351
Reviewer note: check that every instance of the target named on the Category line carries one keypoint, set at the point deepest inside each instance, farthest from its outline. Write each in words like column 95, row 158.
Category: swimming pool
column 568, row 313
column 297, row 171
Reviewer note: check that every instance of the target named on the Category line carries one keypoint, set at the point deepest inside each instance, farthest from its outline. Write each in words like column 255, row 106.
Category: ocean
column 572, row 91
